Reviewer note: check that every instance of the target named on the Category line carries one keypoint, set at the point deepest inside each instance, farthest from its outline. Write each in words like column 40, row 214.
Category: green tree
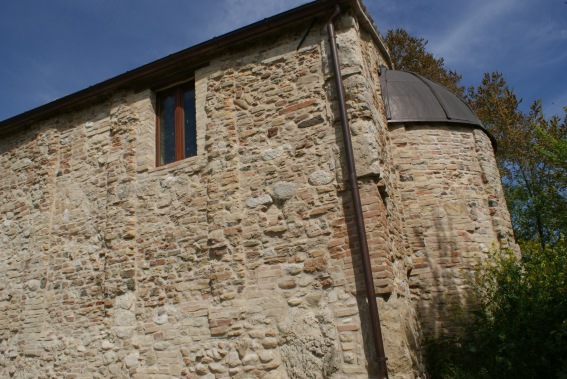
column 496, row 105
column 520, row 327
column 555, row 147
column 533, row 174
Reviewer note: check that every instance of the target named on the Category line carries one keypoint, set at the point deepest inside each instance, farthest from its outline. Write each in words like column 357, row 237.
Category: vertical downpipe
column 360, row 227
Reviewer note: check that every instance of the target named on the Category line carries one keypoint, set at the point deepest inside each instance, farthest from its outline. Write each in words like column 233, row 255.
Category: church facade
column 193, row 218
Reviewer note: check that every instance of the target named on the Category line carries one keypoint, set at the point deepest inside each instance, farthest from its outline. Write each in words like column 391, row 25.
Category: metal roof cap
column 412, row 98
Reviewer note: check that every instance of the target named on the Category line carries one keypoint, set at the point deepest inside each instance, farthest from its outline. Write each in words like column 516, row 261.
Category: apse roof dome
column 409, row 97
column 412, row 98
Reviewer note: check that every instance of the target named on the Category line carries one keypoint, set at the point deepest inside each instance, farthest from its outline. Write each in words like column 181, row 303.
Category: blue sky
column 53, row 48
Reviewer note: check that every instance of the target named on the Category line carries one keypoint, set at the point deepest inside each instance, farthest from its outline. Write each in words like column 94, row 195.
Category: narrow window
column 176, row 134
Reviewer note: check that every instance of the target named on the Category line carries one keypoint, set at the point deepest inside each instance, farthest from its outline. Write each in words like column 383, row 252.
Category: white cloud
column 546, row 44
column 474, row 25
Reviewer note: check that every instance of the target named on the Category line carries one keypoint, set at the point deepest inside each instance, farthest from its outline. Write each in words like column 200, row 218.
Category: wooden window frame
column 179, row 120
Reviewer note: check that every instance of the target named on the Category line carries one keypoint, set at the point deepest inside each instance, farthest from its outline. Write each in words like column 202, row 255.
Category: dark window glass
column 190, row 122
column 167, row 129
column 176, row 124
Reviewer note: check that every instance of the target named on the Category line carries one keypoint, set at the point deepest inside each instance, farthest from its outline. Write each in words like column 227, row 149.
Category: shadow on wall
column 400, row 331
column 445, row 292
column 359, row 285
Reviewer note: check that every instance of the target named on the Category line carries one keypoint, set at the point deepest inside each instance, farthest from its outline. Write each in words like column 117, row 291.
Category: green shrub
column 520, row 327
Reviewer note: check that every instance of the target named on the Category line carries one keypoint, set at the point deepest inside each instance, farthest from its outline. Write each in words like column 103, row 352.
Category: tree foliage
column 496, row 105
column 534, row 178
column 554, row 145
column 520, row 328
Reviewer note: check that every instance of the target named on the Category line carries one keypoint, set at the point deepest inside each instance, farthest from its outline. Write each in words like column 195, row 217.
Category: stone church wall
column 241, row 261
column 454, row 211
column 238, row 262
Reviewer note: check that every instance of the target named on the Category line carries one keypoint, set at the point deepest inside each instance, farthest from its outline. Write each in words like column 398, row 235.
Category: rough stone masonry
column 240, row 262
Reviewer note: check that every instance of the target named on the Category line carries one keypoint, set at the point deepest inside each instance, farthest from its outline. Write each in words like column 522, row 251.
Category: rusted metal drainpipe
column 360, row 228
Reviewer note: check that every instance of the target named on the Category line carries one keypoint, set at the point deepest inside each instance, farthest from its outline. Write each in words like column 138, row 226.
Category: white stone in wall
column 284, row 190
column 320, row 177
column 253, row 202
